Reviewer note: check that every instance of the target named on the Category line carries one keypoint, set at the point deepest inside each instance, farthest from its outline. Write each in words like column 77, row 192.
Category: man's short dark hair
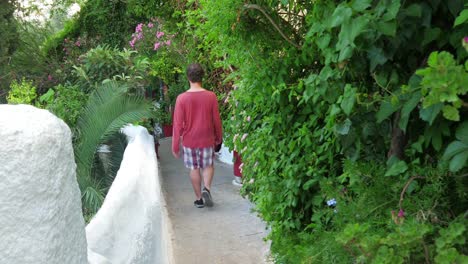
column 195, row 73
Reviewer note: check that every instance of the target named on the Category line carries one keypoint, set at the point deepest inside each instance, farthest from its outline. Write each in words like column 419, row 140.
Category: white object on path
column 225, row 155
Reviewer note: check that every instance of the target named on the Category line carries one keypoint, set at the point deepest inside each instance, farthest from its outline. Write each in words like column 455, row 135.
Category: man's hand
column 176, row 154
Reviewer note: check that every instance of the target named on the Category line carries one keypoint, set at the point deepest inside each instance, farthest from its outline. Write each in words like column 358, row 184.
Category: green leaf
column 451, row 113
column 376, row 57
column 430, row 113
column 309, row 184
column 407, row 109
column 458, row 162
column 361, row 5
column 413, row 10
column 432, row 60
column 431, row 34
column 349, row 98
column 386, row 109
column 392, row 11
column 455, row 6
column 323, row 41
column 397, row 169
column 462, row 18
column 343, row 128
column 47, row 97
column 341, row 13
column 454, row 148
column 387, row 28
column 350, row 30
column 462, row 132
column 345, row 53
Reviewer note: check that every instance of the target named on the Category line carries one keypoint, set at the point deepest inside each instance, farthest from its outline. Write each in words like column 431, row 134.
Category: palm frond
column 109, row 108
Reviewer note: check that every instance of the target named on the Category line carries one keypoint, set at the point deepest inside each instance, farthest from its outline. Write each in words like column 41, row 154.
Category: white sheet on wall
column 131, row 227
column 225, row 155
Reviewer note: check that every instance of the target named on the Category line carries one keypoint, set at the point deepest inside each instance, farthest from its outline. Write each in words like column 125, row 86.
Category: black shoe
column 199, row 203
column 207, row 197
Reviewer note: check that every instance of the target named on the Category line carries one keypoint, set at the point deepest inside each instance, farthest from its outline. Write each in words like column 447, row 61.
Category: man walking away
column 197, row 125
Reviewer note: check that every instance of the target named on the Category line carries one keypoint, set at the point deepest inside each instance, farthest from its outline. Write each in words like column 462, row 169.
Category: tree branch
column 257, row 7
column 402, row 195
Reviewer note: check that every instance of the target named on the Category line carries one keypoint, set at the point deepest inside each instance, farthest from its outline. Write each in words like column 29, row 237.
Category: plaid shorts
column 195, row 158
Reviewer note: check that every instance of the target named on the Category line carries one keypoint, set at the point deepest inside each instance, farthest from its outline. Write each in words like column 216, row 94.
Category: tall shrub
column 342, row 118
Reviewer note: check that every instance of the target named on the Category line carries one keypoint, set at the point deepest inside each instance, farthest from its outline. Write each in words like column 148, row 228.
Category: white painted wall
column 132, row 225
column 40, row 205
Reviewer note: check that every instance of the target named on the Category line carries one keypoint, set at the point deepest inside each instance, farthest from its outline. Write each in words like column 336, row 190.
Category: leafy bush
column 23, row 92
column 104, row 63
column 65, row 101
column 333, row 106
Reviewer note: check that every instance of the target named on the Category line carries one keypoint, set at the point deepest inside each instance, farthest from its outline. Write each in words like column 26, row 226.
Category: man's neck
column 197, row 86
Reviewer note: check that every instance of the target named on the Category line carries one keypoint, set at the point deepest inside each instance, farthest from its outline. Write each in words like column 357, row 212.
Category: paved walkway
column 226, row 233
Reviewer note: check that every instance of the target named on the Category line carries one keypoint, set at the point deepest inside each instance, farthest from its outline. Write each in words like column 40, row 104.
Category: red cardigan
column 196, row 121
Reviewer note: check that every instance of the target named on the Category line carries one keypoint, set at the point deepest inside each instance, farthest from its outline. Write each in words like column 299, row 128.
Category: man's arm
column 177, row 129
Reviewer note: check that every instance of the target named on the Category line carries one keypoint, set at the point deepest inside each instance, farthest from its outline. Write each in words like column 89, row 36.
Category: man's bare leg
column 196, row 181
column 207, row 174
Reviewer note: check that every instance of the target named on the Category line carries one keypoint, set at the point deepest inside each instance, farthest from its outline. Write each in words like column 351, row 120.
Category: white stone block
column 40, row 205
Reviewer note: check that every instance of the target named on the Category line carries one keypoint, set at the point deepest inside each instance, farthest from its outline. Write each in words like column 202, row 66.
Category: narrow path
column 227, row 233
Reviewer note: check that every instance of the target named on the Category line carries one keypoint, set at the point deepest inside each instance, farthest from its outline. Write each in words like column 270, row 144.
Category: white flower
column 331, row 202
column 243, row 137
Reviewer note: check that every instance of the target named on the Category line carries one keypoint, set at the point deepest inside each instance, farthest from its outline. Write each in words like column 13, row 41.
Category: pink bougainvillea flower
column 157, row 45
column 168, row 42
column 78, row 43
column 49, row 77
column 401, row 213
column 139, row 35
column 150, row 25
column 139, row 28
column 159, row 34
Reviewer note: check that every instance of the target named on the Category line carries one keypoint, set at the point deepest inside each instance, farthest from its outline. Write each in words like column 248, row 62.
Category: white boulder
column 40, row 205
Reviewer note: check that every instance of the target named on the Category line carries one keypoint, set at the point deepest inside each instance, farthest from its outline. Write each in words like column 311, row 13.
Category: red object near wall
column 237, row 163
column 167, row 130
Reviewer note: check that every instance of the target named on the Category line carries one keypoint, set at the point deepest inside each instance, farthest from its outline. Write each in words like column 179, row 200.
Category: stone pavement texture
column 229, row 232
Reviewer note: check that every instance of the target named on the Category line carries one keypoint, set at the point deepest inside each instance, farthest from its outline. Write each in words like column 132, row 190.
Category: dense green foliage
column 336, row 104
column 8, row 42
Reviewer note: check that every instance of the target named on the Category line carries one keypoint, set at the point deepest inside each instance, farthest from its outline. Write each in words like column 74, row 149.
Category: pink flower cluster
column 149, row 33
